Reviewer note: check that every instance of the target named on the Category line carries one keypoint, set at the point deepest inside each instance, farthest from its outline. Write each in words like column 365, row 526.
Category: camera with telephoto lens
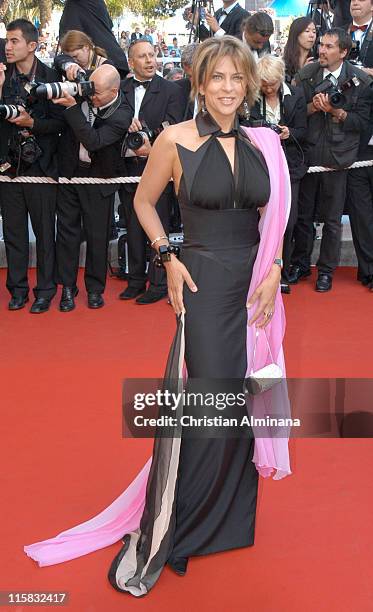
column 335, row 91
column 9, row 111
column 81, row 87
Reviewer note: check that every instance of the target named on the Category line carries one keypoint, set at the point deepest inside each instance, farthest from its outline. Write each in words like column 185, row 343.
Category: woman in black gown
column 201, row 493
column 197, row 494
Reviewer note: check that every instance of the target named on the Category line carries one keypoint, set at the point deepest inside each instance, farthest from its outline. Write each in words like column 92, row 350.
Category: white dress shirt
column 359, row 35
column 230, row 8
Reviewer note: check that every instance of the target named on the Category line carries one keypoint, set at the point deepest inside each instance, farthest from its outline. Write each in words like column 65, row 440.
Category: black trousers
column 17, row 202
column 288, row 244
column 360, row 196
column 83, row 206
column 137, row 239
column 330, row 188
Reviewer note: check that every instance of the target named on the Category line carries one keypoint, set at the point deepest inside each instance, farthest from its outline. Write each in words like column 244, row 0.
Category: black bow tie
column 223, row 13
column 137, row 83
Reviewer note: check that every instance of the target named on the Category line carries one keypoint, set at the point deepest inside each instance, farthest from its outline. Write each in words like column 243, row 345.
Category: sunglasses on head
column 264, row 33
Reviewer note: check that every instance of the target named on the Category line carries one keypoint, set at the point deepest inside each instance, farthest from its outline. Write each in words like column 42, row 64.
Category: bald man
column 90, row 147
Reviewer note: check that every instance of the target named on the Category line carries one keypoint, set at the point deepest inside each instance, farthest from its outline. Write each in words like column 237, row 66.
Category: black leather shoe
column 150, row 297
column 296, row 273
column 40, row 305
column 95, row 300
column 366, row 281
column 324, row 283
column 131, row 293
column 67, row 298
column 179, row 565
column 285, row 287
column 17, row 302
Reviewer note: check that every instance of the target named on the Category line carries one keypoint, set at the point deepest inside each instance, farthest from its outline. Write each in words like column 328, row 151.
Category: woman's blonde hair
column 271, row 68
column 208, row 55
column 74, row 39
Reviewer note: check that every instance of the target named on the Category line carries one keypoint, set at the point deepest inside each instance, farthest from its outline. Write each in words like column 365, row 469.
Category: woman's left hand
column 265, row 295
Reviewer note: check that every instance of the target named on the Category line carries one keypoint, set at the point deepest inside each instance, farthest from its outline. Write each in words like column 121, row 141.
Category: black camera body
column 262, row 123
column 135, row 140
column 335, row 91
column 23, row 145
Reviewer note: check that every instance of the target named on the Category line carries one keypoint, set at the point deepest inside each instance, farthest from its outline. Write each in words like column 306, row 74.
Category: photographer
column 360, row 180
column 29, row 135
column 91, row 148
column 79, row 56
column 256, row 32
column 151, row 101
column 338, row 106
column 283, row 108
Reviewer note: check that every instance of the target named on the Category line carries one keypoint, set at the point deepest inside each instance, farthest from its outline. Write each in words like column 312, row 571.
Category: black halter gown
column 213, row 502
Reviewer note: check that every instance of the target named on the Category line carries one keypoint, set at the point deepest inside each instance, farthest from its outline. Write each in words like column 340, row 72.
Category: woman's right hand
column 72, row 72
column 177, row 274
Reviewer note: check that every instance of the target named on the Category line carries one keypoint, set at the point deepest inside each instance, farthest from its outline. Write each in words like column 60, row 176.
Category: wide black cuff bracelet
column 164, row 254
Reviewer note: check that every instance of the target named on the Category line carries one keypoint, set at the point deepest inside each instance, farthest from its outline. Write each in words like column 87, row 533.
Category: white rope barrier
column 119, row 180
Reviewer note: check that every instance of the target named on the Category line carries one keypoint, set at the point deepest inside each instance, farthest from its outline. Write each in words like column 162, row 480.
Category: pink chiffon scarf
column 124, row 514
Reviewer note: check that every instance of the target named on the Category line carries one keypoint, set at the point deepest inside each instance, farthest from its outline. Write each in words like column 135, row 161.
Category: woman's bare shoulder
column 180, row 132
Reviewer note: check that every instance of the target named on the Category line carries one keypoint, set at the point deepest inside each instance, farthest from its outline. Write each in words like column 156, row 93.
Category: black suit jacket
column 134, row 36
column 366, row 50
column 231, row 24
column 329, row 143
column 103, row 141
column 294, row 116
column 48, row 124
column 2, row 51
column 185, row 86
column 163, row 101
column 92, row 17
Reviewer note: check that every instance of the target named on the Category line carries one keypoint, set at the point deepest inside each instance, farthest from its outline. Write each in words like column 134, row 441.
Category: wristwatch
column 279, row 262
column 164, row 252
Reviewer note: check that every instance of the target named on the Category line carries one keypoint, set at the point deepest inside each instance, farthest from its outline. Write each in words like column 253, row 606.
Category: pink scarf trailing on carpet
column 124, row 514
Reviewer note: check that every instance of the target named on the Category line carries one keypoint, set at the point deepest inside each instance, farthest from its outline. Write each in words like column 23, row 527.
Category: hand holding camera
column 23, row 119
column 285, row 133
column 66, row 100
column 73, row 72
column 136, row 127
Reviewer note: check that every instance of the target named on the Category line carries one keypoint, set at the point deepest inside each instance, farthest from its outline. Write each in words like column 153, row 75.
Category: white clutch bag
column 261, row 380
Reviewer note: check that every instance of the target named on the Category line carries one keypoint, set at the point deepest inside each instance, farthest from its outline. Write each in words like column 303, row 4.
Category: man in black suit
column 91, row 148
column 227, row 20
column 151, row 100
column 92, row 17
column 136, row 35
column 333, row 136
column 36, row 128
column 187, row 57
column 360, row 180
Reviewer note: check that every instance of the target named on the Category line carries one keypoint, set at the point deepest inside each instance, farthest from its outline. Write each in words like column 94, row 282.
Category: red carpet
column 63, row 459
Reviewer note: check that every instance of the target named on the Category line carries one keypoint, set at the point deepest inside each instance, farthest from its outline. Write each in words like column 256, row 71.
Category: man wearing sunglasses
column 256, row 32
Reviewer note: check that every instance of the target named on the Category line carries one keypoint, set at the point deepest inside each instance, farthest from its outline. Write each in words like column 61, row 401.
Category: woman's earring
column 203, row 106
column 246, row 110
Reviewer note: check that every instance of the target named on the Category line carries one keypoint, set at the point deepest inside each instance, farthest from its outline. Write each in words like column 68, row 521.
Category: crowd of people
column 316, row 94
